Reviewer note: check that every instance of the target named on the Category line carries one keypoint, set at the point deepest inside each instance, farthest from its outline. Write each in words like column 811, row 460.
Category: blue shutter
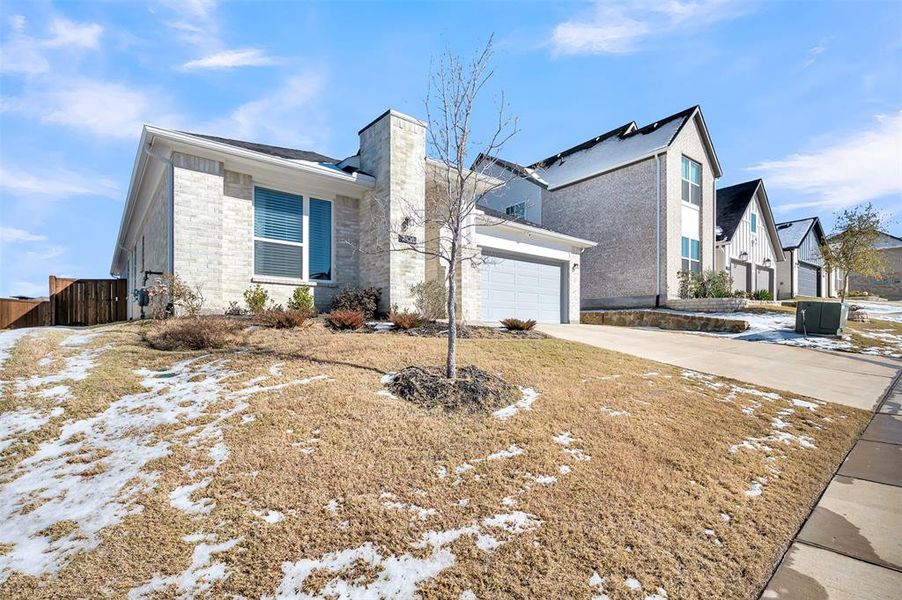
column 277, row 215
column 320, row 239
column 277, row 260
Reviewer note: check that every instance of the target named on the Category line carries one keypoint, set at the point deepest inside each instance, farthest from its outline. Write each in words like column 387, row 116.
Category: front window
column 754, row 223
column 691, row 173
column 279, row 246
column 517, row 210
column 690, row 252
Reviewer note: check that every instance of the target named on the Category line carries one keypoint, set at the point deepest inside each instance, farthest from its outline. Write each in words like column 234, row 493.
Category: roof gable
column 732, row 202
column 793, row 233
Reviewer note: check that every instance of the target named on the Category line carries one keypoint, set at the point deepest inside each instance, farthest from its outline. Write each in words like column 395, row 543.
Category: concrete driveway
column 852, row 379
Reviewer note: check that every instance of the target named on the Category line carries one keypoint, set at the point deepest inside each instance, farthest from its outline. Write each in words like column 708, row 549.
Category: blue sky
column 807, row 95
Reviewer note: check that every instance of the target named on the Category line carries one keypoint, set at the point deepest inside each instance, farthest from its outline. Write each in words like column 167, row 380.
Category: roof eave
column 538, row 231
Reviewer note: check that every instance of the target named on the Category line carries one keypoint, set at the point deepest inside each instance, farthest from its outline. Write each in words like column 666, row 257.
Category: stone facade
column 393, row 150
column 889, row 284
column 663, row 320
column 717, row 304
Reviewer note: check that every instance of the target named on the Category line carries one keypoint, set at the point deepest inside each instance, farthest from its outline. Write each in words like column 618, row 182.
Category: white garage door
column 522, row 289
column 740, row 273
column 808, row 280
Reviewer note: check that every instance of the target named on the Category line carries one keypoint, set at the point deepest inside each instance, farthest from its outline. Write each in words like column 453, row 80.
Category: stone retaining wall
column 717, row 304
column 664, row 320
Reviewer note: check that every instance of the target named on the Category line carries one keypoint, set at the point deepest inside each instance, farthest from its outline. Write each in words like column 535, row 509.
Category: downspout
column 658, row 230
column 170, row 259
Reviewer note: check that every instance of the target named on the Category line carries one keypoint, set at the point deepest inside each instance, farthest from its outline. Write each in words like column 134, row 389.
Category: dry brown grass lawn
column 621, row 467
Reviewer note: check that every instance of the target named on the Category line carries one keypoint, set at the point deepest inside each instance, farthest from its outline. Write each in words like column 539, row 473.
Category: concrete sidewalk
column 851, row 545
column 852, row 379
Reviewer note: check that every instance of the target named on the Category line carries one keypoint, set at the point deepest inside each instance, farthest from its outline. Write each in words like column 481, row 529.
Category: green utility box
column 821, row 318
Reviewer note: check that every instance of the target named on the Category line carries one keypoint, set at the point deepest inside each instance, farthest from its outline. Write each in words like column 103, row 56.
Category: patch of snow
column 660, row 595
column 194, row 581
column 442, row 472
column 613, row 413
column 388, row 378
column 245, row 419
column 509, row 452
column 8, row 339
column 529, row 396
column 577, row 454
column 390, row 502
column 633, row 584
column 79, row 339
column 270, row 516
column 564, row 438
column 755, row 489
column 597, row 582
column 387, row 394
column 545, row 479
column 276, row 370
column 76, row 368
column 333, row 506
column 726, row 518
column 804, row 404
column 15, row 423
column 564, row 469
column 180, row 498
column 467, row 595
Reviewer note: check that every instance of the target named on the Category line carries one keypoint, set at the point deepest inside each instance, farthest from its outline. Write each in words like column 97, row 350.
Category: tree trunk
column 451, row 363
column 845, row 285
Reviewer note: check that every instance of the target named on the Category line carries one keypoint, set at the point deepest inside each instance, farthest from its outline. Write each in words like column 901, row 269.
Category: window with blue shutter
column 320, row 239
column 278, row 234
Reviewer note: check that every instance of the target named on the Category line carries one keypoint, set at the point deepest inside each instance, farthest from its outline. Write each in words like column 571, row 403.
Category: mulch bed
column 474, row 390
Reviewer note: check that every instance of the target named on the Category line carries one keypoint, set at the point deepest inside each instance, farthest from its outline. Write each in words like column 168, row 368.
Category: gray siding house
column 803, row 272
column 227, row 214
column 645, row 195
column 748, row 246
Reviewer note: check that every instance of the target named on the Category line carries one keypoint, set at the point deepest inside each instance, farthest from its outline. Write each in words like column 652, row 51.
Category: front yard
column 283, row 468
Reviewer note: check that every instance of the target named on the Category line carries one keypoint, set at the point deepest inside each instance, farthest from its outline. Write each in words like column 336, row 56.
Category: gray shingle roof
column 793, row 232
column 279, row 151
column 731, row 204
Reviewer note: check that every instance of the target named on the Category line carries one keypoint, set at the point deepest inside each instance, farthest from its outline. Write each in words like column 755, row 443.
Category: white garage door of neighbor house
column 808, row 280
column 740, row 273
column 520, row 288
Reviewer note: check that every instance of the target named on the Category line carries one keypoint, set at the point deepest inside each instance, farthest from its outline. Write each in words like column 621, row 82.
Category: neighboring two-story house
column 888, row 284
column 748, row 246
column 646, row 195
column 803, row 272
column 225, row 215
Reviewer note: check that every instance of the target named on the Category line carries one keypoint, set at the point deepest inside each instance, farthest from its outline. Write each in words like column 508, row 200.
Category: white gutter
column 536, row 231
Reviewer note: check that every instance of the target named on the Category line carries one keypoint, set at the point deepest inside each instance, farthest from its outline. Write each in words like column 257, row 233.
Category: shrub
column 256, row 298
column 710, row 284
column 365, row 300
column 192, row 333
column 183, row 296
column 235, row 309
column 301, row 299
column 740, row 294
column 430, row 299
column 518, row 324
column 762, row 295
column 407, row 320
column 283, row 319
column 345, row 319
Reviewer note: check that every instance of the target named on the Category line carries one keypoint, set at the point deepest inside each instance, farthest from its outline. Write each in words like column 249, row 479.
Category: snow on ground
column 524, row 403
column 198, row 578
column 8, row 339
column 887, row 311
column 90, row 475
column 79, row 339
column 397, row 576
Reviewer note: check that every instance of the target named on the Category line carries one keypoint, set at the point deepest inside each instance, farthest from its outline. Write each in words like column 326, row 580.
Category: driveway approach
column 852, row 379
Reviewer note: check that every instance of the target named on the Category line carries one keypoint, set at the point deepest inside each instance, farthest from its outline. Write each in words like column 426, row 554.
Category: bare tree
column 851, row 248
column 451, row 106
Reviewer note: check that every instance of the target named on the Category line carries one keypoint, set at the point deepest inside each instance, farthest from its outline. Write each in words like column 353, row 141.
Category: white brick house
column 226, row 215
column 646, row 195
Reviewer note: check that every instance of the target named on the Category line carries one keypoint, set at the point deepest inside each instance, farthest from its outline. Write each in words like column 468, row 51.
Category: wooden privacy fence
column 72, row 302
column 24, row 313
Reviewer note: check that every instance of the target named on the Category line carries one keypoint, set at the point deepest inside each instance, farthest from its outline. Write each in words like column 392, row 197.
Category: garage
column 740, row 274
column 809, row 280
column 521, row 288
column 764, row 279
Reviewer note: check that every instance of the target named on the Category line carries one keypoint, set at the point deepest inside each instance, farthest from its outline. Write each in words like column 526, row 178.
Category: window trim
column 700, row 184
column 304, row 279
column 511, row 214
column 688, row 257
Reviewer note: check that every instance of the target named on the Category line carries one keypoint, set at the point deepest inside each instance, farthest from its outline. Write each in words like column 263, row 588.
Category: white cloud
column 228, row 59
column 289, row 115
column 69, row 34
column 28, row 288
column 861, row 167
column 55, row 183
column 191, row 8
column 99, row 108
column 617, row 28
column 28, row 55
column 12, row 235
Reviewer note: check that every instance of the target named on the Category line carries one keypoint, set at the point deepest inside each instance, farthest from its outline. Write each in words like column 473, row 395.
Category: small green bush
column 256, row 299
column 365, row 300
column 345, row 319
column 235, row 309
column 430, row 299
column 301, row 299
column 518, row 324
column 407, row 320
column 763, row 295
